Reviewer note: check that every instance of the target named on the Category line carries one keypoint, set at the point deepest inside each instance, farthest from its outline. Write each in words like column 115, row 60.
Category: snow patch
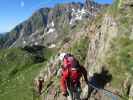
column 51, row 30
column 36, row 43
column 24, row 42
column 73, row 9
column 78, row 14
column 52, row 23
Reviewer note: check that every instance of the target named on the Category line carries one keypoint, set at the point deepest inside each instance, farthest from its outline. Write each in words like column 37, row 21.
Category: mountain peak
column 39, row 30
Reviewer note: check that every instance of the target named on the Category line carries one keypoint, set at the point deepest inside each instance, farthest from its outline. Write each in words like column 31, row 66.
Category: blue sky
column 12, row 12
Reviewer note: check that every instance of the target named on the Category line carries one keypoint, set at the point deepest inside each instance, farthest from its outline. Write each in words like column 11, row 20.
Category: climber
column 70, row 76
column 40, row 84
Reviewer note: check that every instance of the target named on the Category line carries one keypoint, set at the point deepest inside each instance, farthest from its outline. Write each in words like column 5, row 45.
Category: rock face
column 100, row 37
column 46, row 25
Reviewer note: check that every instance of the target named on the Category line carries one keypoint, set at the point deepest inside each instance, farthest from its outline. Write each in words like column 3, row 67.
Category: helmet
column 62, row 55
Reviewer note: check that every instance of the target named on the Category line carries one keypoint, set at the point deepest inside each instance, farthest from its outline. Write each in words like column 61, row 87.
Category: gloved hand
column 65, row 94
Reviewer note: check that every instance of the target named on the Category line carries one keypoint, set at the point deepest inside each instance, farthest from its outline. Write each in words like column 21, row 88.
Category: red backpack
column 70, row 63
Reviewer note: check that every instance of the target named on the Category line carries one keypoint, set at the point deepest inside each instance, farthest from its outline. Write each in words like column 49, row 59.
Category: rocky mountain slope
column 45, row 23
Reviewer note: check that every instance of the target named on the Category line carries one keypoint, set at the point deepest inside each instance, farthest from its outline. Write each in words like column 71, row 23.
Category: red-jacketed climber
column 71, row 73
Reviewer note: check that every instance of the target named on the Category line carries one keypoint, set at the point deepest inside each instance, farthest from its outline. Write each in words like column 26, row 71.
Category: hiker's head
column 62, row 55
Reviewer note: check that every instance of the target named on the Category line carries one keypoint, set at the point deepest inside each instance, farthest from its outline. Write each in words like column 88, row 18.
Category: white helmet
column 62, row 55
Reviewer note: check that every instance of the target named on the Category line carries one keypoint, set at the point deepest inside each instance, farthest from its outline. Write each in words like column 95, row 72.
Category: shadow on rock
column 98, row 81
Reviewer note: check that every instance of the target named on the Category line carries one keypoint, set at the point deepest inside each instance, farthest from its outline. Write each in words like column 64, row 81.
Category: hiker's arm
column 63, row 84
column 84, row 73
column 63, row 80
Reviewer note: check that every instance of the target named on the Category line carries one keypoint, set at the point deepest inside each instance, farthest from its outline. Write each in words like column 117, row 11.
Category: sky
column 13, row 12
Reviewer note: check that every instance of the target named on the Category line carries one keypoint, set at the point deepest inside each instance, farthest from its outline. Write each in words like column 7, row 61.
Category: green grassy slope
column 120, row 60
column 18, row 67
